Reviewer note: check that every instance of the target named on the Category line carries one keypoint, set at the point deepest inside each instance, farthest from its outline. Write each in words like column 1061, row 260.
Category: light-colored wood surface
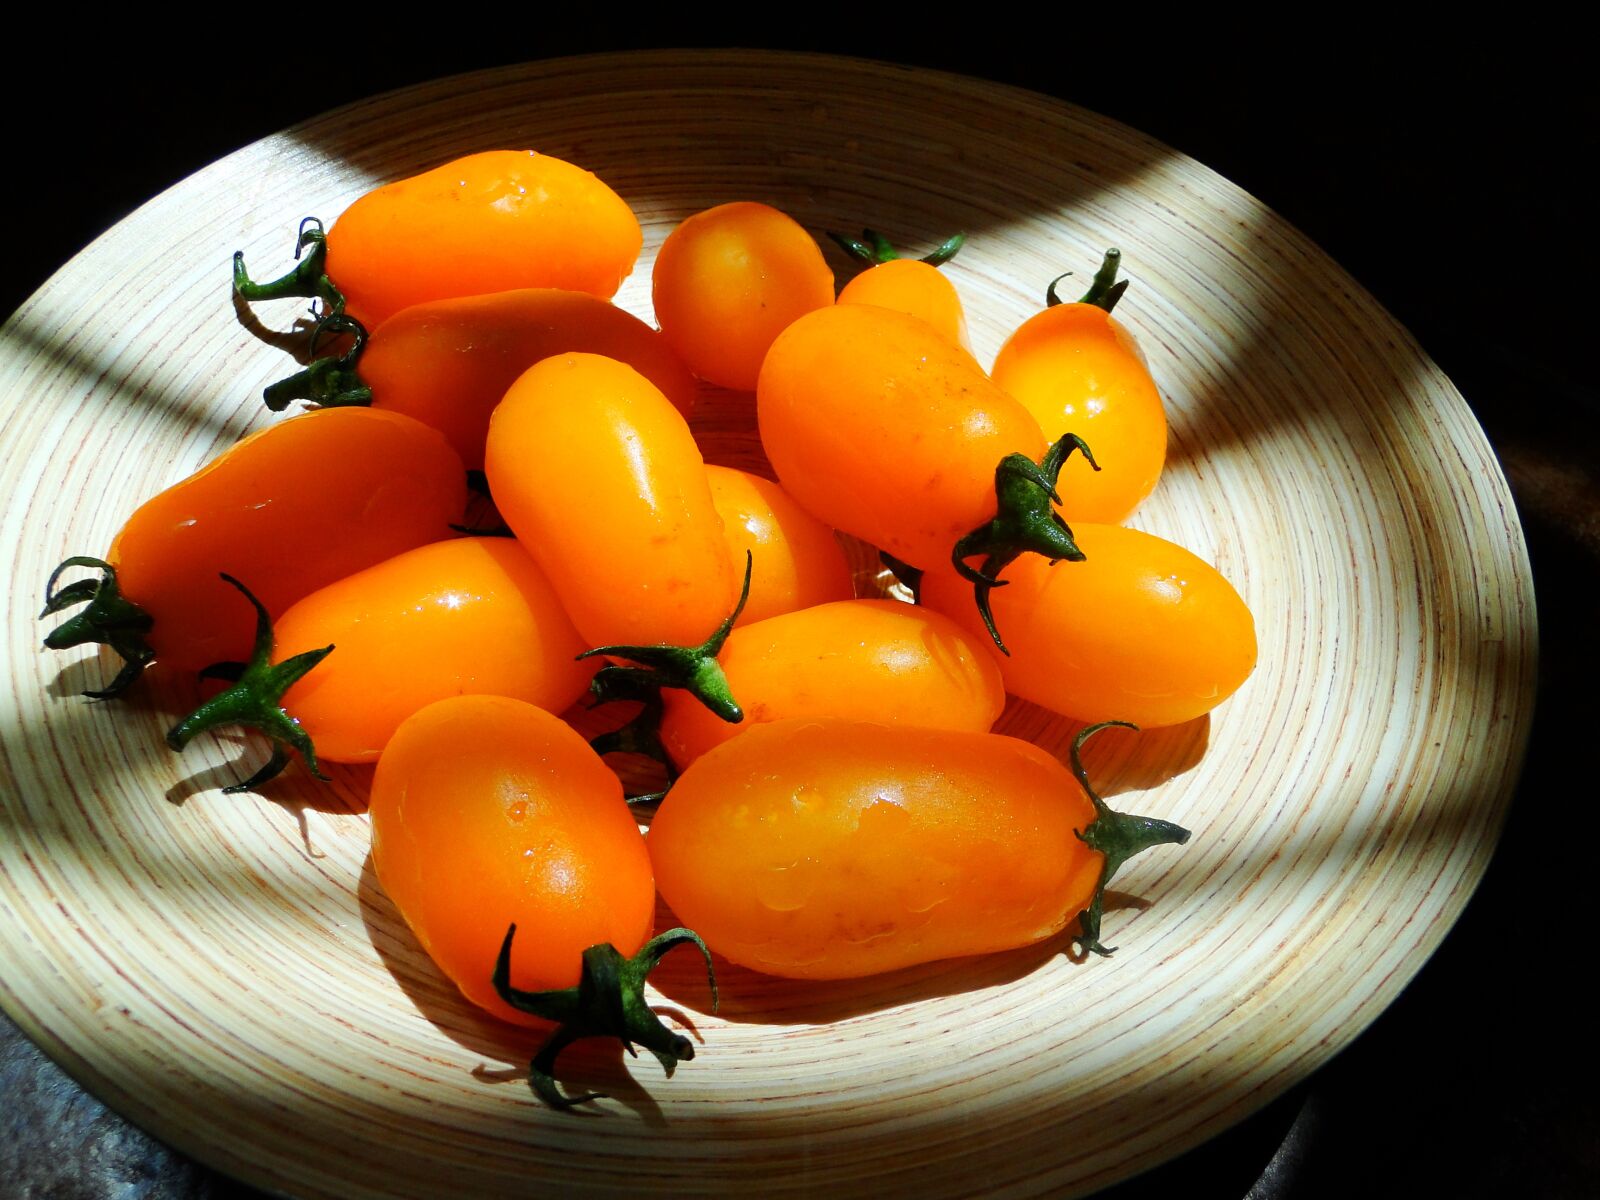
column 223, row 969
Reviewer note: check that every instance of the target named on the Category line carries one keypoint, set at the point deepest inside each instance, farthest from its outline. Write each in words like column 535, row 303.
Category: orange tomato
column 601, row 480
column 887, row 431
column 487, row 811
column 728, row 280
column 449, row 362
column 1077, row 369
column 488, row 222
column 866, row 660
column 464, row 617
column 912, row 286
column 1141, row 630
column 802, row 563
column 290, row 508
column 826, row 849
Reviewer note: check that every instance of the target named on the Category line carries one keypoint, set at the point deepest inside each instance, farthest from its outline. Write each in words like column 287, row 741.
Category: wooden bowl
column 223, row 969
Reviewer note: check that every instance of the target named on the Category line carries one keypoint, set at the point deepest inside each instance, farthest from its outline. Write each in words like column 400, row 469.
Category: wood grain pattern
column 224, row 970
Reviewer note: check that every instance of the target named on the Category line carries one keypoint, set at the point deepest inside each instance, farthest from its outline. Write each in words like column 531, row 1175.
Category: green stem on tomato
column 1104, row 290
column 255, row 701
column 331, row 381
column 308, row 277
column 1116, row 836
column 874, row 249
column 1025, row 522
column 607, row 1002
column 694, row 669
column 108, row 618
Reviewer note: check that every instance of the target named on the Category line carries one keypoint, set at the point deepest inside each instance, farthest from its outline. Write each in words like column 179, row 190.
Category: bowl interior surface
column 225, row 970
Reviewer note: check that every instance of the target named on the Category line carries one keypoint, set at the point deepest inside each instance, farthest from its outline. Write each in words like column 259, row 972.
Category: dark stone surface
column 1449, row 175
column 59, row 1143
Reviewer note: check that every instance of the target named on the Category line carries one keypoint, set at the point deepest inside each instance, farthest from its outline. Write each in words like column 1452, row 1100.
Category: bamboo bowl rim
column 224, row 971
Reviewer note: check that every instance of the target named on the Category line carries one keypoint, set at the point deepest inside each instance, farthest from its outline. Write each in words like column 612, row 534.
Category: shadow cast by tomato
column 748, row 996
column 590, row 1065
column 344, row 791
column 294, row 341
column 1117, row 761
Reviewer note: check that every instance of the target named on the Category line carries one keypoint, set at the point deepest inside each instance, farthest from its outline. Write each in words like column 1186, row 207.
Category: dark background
column 1448, row 174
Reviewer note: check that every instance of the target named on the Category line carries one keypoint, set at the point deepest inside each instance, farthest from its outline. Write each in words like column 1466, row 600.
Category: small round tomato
column 601, row 480
column 729, row 280
column 1141, row 630
column 866, row 660
column 802, row 563
column 463, row 617
column 887, row 431
column 912, row 286
column 488, row 222
column 1078, row 370
column 488, row 812
column 449, row 362
column 291, row 508
column 825, row 849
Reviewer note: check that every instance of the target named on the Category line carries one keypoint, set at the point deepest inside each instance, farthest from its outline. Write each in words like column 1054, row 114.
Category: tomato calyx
column 1026, row 521
column 253, row 701
column 1117, row 836
column 874, row 249
column 108, row 618
column 1104, row 290
column 308, row 277
column 332, row 380
column 694, row 669
column 607, row 1002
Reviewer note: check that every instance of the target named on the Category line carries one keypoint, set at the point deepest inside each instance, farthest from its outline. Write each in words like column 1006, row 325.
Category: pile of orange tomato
column 837, row 804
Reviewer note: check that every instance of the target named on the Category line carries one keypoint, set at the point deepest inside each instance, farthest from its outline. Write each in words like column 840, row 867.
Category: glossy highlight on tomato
column 487, row 811
column 292, row 507
column 1078, row 370
column 802, row 563
column 864, row 660
column 824, row 849
column 728, row 280
column 1142, row 630
column 448, row 363
column 917, row 288
column 601, row 480
column 487, row 222
column 887, row 431
column 463, row 617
